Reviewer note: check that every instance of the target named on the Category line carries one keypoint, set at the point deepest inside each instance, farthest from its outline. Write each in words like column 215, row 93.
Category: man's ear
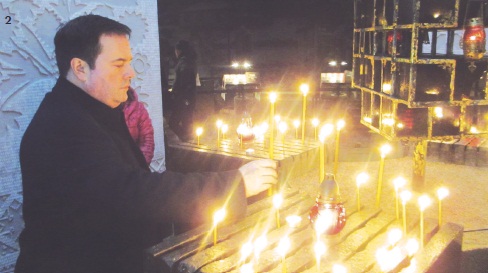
column 80, row 69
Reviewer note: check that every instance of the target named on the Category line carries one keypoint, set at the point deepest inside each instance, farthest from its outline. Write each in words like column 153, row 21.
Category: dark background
column 285, row 40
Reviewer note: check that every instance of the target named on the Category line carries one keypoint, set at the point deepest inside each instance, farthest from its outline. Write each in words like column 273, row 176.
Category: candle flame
column 399, row 182
column 340, row 124
column 304, row 88
column 283, row 246
column 293, row 220
column 388, row 259
column 225, row 128
column 385, row 149
column 438, row 111
column 277, row 200
column 394, row 236
column 199, row 131
column 405, row 196
column 315, row 122
column 273, row 96
column 424, row 201
column 325, row 131
column 296, row 123
column 282, row 126
column 319, row 248
column 247, row 268
column 260, row 244
column 386, row 87
column 219, row 123
column 412, row 246
column 337, row 268
column 442, row 193
column 277, row 118
column 219, row 215
column 246, row 250
column 361, row 178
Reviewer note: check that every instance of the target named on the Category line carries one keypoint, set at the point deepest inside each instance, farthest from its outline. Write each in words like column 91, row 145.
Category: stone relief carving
column 28, row 70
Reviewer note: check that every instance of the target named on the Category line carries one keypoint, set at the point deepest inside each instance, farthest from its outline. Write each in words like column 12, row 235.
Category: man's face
column 109, row 81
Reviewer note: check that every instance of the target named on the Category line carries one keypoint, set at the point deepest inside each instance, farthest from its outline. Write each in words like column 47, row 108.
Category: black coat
column 184, row 85
column 89, row 200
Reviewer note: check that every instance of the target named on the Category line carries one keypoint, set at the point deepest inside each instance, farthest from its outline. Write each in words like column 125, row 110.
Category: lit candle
column 277, row 202
column 389, row 258
column 412, row 246
column 272, row 100
column 259, row 245
column 424, row 201
column 217, row 218
column 225, row 128
column 282, row 127
column 282, row 249
column 296, row 124
column 219, row 125
column 277, row 119
column 399, row 182
column 441, row 194
column 241, row 130
column 385, row 149
column 246, row 250
column 360, row 179
column 337, row 268
column 293, row 220
column 340, row 124
column 325, row 131
column 315, row 123
column 405, row 196
column 394, row 236
column 319, row 249
column 247, row 268
column 199, row 132
column 304, row 88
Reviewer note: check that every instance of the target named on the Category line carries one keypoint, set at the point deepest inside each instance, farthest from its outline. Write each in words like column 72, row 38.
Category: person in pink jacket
column 139, row 124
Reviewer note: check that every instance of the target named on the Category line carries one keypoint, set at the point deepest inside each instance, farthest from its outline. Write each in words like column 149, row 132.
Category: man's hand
column 259, row 175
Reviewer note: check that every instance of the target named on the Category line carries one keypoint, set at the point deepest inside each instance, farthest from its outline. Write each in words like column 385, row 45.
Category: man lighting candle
column 91, row 204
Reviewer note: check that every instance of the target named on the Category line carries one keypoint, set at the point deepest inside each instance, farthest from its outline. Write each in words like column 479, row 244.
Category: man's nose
column 131, row 73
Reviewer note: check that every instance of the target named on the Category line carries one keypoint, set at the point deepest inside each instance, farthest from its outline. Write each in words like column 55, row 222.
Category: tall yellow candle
column 441, row 194
column 398, row 183
column 319, row 248
column 304, row 88
column 340, row 125
column 199, row 133
column 337, row 268
column 325, row 131
column 424, row 202
column 360, row 179
column 225, row 128
column 219, row 125
column 385, row 149
column 277, row 202
column 315, row 123
column 272, row 100
column 282, row 249
column 217, row 218
column 405, row 196
column 296, row 124
column 282, row 127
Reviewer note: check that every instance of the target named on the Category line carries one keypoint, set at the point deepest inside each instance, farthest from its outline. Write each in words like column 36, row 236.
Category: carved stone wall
column 28, row 70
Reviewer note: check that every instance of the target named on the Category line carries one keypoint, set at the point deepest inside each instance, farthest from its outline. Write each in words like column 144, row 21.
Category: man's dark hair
column 80, row 38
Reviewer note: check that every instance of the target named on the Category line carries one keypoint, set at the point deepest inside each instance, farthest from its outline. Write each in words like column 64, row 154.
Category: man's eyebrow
column 122, row 60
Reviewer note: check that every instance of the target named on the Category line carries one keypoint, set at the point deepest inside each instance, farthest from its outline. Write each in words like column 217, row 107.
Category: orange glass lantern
column 399, row 39
column 244, row 130
column 474, row 39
